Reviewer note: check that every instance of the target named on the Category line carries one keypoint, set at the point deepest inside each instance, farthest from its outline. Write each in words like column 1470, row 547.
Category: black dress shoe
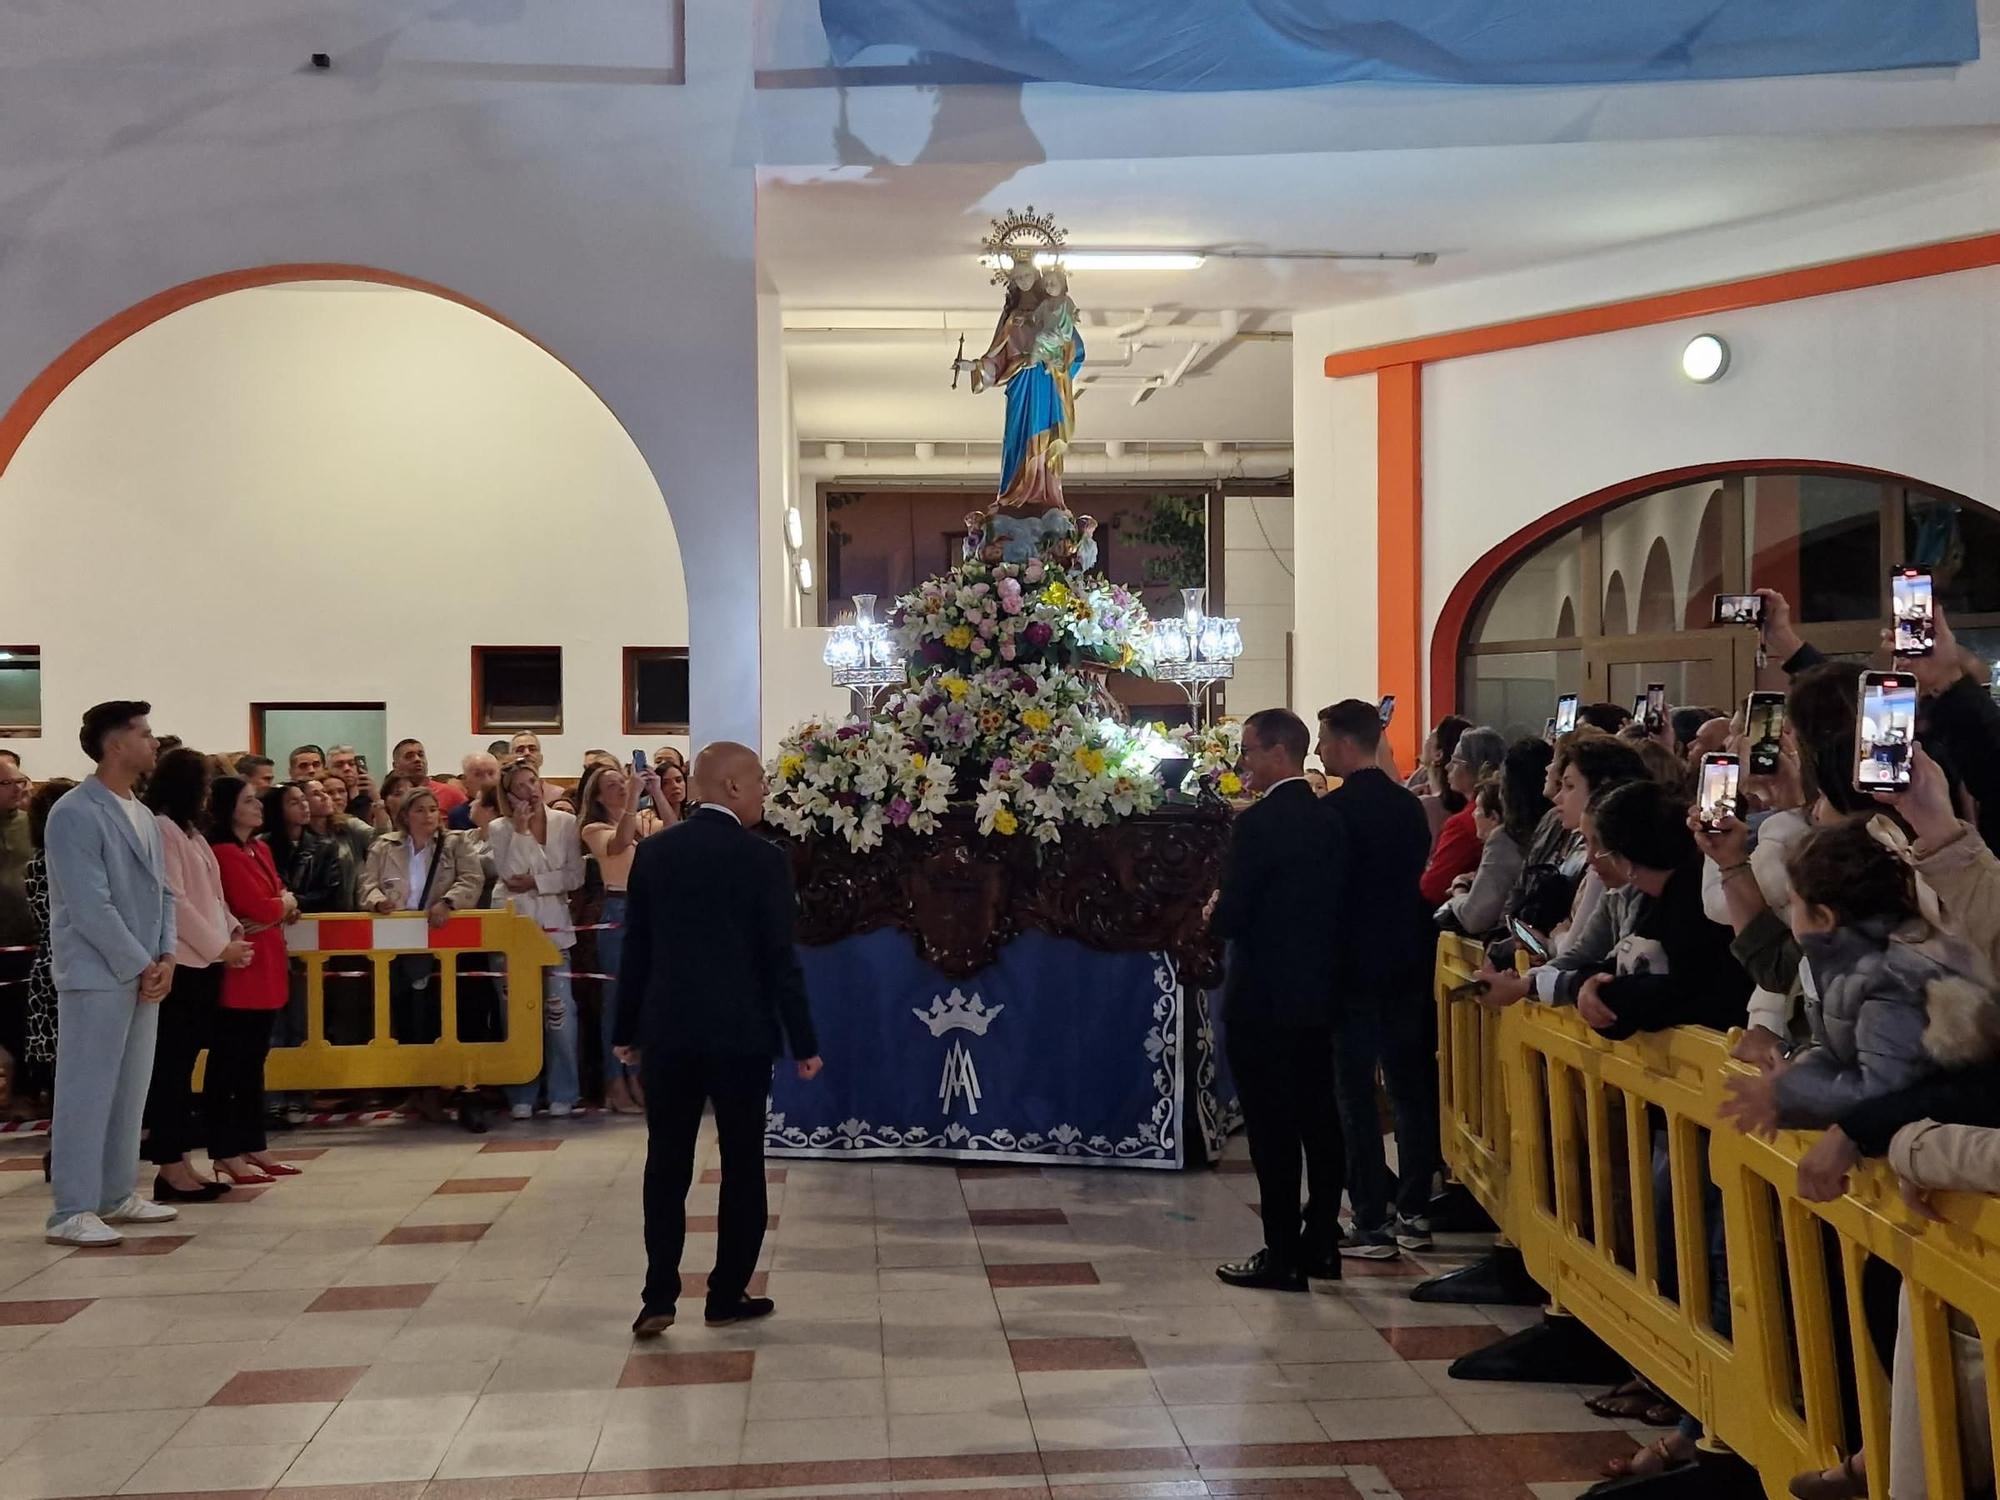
column 165, row 1192
column 742, row 1310
column 1262, row 1272
column 652, row 1322
column 1324, row 1267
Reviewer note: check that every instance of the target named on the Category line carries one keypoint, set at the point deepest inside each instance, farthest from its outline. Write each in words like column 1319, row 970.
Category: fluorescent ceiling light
column 1114, row 260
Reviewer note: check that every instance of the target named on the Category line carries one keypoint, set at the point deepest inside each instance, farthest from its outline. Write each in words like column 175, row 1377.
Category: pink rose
column 1011, row 603
column 1006, row 651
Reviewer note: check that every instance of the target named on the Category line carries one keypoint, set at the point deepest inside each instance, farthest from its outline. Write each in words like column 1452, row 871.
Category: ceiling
column 887, row 237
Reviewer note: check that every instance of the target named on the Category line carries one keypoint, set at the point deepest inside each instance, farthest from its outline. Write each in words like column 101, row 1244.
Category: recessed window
column 20, row 691
column 516, row 688
column 656, row 690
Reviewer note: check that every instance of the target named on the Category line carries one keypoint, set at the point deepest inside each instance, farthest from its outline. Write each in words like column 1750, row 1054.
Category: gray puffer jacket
column 1894, row 1005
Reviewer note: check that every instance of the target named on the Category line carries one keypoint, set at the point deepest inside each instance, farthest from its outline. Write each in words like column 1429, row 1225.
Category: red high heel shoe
column 276, row 1168
column 243, row 1179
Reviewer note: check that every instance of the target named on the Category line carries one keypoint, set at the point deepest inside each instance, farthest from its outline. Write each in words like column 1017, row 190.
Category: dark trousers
column 233, row 1087
column 187, row 1019
column 1400, row 1038
column 677, row 1085
column 1284, row 1079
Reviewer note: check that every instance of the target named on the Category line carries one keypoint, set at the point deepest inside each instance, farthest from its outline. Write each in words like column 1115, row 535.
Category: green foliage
column 1178, row 526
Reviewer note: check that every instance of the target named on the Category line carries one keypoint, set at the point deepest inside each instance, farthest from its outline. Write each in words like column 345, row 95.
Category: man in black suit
column 1284, row 853
column 1384, row 1013
column 709, row 991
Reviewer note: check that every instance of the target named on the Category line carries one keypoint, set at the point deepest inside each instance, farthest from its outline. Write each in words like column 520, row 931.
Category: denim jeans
column 558, row 1044
column 610, row 948
column 1399, row 1037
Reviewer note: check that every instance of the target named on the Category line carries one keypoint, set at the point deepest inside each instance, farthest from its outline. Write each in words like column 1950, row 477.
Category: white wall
column 1258, row 589
column 1900, row 377
column 534, row 158
column 330, row 493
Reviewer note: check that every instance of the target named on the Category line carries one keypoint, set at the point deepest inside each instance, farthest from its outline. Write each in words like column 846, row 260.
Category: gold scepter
column 958, row 362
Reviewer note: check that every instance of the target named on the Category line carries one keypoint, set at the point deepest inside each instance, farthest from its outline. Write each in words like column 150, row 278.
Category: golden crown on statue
column 1017, row 234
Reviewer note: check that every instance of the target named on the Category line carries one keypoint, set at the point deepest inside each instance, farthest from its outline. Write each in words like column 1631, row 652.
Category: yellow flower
column 1125, row 656
column 1230, row 784
column 789, row 766
column 1057, row 593
column 1091, row 760
column 958, row 637
column 1005, row 822
column 917, row 762
column 953, row 686
column 1037, row 719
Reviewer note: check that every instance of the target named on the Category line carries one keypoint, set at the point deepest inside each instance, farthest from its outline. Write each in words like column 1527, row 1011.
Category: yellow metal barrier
column 1776, row 1361
column 474, row 943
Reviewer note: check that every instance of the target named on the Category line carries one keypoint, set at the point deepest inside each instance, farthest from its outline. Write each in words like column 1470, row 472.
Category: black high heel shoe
column 165, row 1192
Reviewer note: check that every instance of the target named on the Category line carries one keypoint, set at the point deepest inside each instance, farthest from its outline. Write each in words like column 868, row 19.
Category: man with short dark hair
column 259, row 770
column 111, row 942
column 305, row 763
column 409, row 760
column 1284, row 857
column 1383, row 1015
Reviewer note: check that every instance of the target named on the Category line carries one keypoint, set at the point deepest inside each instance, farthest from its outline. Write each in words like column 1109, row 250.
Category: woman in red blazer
column 233, row 1087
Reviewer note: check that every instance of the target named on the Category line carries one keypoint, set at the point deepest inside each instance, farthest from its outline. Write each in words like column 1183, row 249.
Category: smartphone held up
column 1764, row 728
column 1739, row 609
column 1885, row 728
column 1717, row 793
column 1912, row 606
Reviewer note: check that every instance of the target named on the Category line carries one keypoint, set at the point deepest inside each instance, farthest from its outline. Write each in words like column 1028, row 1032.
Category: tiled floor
column 425, row 1315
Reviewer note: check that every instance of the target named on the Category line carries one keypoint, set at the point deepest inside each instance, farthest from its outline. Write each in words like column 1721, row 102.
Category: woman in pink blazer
column 208, row 941
column 251, row 995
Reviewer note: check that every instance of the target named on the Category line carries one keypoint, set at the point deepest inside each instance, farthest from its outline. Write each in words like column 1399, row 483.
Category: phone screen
column 1910, row 605
column 1639, row 708
column 640, row 765
column 1566, row 713
column 1386, row 709
column 1715, row 799
column 1884, row 729
column 1549, row 729
column 1739, row 609
column 1525, row 936
column 1764, row 726
column 1656, row 705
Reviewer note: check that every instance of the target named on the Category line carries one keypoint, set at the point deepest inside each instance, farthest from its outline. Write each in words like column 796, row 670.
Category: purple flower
column 849, row 732
column 1040, row 774
column 1038, row 634
column 899, row 811
column 1002, row 766
column 1023, row 683
column 935, row 651
column 931, row 703
column 848, row 799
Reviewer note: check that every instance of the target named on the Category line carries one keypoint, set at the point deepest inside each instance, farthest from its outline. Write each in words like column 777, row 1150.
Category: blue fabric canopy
column 1276, row 44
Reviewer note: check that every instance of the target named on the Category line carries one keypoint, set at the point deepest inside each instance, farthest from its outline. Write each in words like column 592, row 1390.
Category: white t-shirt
column 141, row 819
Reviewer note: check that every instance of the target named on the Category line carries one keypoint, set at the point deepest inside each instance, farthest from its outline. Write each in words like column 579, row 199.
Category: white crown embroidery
column 954, row 1012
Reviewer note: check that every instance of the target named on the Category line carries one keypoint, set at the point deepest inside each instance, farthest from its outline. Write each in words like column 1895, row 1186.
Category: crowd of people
column 1850, row 938
column 246, row 854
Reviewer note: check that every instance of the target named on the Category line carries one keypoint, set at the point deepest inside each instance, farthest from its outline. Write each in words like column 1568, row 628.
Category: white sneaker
column 84, row 1229
column 522, row 1111
column 137, row 1210
column 558, row 1111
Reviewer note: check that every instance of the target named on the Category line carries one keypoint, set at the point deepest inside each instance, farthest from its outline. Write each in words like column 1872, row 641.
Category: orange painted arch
column 1448, row 636
column 41, row 392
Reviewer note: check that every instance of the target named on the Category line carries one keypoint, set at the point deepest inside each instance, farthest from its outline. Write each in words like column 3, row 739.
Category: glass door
column 1711, row 668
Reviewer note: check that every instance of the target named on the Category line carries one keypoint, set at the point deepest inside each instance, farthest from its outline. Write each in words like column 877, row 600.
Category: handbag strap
column 431, row 874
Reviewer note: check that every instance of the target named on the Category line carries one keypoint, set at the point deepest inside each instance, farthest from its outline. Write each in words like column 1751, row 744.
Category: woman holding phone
column 251, row 995
column 613, row 825
column 538, row 858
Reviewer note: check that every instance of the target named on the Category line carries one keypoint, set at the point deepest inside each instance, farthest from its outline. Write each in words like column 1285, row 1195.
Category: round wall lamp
column 1704, row 359
column 795, row 529
column 802, row 570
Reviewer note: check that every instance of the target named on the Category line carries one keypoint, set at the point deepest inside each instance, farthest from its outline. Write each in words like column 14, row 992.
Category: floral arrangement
column 1215, row 751
column 1019, row 614
column 857, row 780
column 997, row 715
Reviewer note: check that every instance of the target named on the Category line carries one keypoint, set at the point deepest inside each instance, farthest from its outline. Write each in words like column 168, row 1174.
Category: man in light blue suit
column 111, row 939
